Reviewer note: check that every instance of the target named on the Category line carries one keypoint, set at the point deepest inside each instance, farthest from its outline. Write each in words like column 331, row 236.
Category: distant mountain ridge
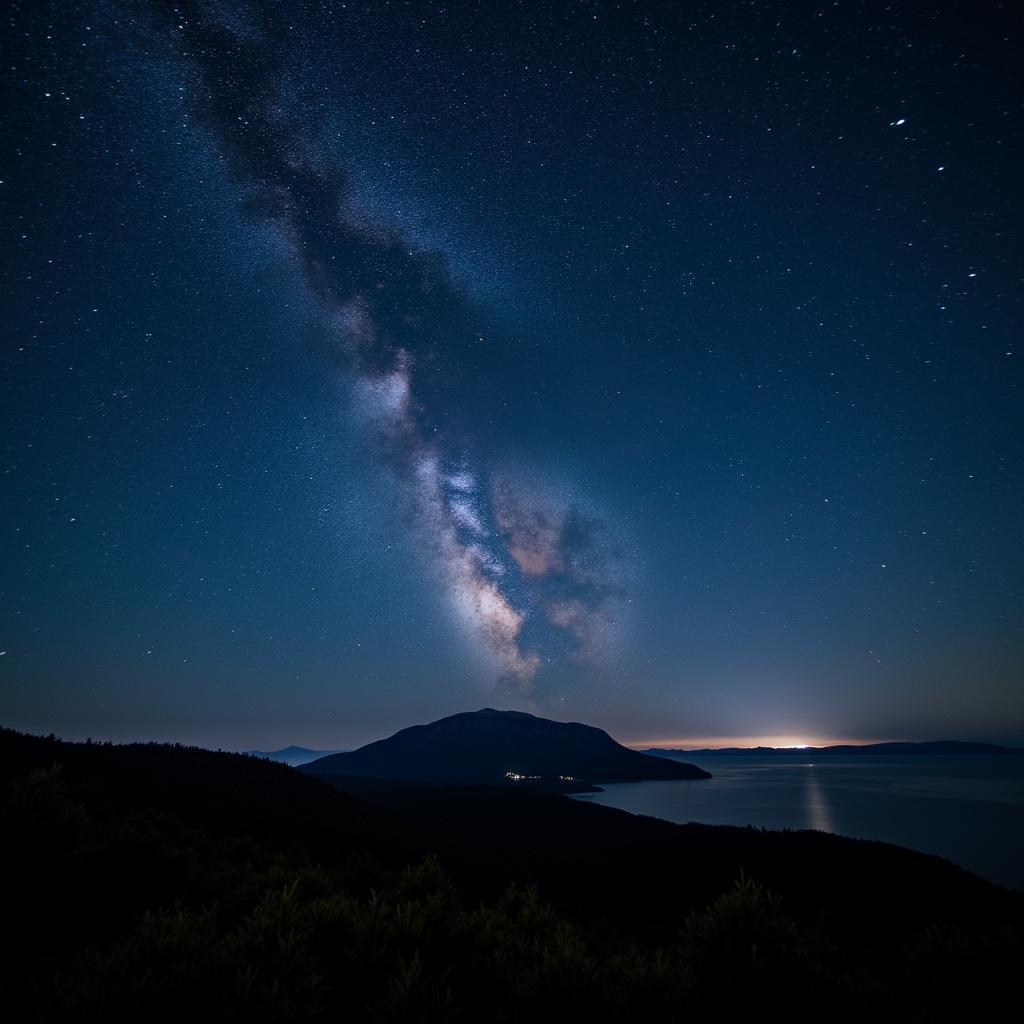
column 502, row 747
column 292, row 755
column 933, row 747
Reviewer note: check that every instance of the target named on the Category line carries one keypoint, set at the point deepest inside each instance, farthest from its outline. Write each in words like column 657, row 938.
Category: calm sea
column 968, row 809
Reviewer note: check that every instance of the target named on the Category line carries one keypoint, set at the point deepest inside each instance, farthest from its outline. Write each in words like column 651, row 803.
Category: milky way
column 528, row 573
column 653, row 364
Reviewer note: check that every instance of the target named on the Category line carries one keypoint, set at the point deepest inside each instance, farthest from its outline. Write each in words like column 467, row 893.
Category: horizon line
column 782, row 742
column 790, row 742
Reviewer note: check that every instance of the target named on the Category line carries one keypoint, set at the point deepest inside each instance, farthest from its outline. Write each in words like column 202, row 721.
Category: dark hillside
column 226, row 792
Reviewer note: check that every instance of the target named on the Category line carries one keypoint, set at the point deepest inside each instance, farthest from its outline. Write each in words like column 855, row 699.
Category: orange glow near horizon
column 713, row 742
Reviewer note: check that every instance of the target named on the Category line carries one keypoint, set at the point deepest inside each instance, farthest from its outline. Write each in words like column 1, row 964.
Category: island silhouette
column 503, row 748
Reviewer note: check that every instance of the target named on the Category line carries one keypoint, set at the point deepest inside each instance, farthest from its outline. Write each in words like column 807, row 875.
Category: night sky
column 651, row 365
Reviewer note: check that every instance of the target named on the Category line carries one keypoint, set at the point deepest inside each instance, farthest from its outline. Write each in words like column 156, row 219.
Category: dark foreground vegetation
column 155, row 883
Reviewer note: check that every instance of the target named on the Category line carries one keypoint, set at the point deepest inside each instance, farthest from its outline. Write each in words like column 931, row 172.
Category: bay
column 966, row 808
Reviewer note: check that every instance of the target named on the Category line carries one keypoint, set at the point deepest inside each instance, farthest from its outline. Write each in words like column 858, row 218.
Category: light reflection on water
column 969, row 809
column 816, row 804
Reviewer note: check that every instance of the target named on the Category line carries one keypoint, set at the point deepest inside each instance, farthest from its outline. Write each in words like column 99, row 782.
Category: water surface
column 967, row 808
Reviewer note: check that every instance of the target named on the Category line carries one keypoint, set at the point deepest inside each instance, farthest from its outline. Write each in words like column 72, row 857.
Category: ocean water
column 968, row 809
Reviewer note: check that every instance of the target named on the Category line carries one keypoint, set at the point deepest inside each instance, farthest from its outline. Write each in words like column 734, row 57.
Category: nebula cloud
column 566, row 565
column 528, row 576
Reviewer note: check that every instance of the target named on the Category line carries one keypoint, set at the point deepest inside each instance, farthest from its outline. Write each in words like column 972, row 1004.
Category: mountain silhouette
column 292, row 755
column 491, row 746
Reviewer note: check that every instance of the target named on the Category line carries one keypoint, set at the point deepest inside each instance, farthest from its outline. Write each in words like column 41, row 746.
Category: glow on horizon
column 714, row 742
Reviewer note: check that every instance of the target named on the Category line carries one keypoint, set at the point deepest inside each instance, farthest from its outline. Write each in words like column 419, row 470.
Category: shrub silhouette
column 746, row 952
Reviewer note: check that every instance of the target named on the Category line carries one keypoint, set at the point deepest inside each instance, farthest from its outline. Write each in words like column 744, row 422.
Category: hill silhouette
column 499, row 747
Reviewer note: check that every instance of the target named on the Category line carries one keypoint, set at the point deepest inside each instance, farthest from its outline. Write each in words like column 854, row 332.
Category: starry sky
column 646, row 364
